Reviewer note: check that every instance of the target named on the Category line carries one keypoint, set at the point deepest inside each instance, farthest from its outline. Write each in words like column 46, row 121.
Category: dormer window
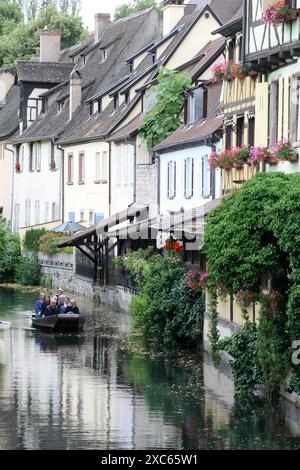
column 127, row 97
column 130, row 65
column 153, row 57
column 61, row 105
column 104, row 55
column 99, row 104
column 116, row 102
column 91, row 109
column 197, row 108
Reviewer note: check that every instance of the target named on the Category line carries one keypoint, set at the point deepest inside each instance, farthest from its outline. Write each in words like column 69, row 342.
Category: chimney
column 75, row 92
column 173, row 11
column 50, row 45
column 101, row 21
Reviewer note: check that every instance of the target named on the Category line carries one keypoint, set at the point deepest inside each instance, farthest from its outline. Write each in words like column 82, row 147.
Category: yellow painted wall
column 195, row 40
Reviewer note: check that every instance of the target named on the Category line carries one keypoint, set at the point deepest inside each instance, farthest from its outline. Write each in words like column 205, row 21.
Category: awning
column 101, row 229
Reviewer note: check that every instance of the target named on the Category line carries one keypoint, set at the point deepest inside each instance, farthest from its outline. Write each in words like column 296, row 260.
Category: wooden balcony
column 239, row 95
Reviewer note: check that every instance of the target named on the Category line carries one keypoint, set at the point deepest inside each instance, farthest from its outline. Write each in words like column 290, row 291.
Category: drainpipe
column 12, row 186
column 62, row 186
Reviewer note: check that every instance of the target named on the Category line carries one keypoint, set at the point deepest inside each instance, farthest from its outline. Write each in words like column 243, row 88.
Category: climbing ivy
column 167, row 114
column 254, row 235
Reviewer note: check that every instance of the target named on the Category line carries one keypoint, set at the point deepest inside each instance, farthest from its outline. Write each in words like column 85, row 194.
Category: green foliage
column 28, row 271
column 167, row 114
column 214, row 335
column 32, row 239
column 127, row 9
column 242, row 346
column 9, row 253
column 272, row 350
column 167, row 311
column 49, row 241
column 10, row 15
column 136, row 261
column 254, row 233
column 47, row 281
column 22, row 42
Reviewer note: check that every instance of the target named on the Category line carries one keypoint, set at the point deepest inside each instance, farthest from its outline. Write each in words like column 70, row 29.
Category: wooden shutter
column 294, row 109
column 174, row 180
column 31, row 151
column 81, row 168
column 104, row 166
column 286, row 108
column 97, row 166
column 168, row 180
column 280, row 108
column 262, row 114
column 70, row 168
column 206, row 177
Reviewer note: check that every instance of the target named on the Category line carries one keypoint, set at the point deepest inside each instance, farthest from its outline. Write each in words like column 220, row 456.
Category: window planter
column 279, row 12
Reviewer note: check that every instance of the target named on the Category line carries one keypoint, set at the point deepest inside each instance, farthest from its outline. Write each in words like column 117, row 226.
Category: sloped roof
column 97, row 76
column 191, row 133
column 127, row 131
column 42, row 72
column 9, row 120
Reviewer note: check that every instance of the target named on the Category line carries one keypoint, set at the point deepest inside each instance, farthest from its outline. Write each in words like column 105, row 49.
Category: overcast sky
column 90, row 7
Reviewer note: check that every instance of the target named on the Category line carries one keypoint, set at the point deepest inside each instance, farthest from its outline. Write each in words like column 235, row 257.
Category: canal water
column 101, row 390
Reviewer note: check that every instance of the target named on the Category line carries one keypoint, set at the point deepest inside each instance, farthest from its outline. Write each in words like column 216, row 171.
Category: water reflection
column 88, row 391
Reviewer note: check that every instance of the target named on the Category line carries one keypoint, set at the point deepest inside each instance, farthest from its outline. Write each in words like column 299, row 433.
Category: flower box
column 278, row 12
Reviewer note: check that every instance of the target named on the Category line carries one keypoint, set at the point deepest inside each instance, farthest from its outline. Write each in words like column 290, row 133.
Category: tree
column 23, row 41
column 10, row 15
column 137, row 5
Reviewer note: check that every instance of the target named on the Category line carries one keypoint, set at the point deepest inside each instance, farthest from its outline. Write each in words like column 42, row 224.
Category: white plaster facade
column 201, row 186
column 36, row 188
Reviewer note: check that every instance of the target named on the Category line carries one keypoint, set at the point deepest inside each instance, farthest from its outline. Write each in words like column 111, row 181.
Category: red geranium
column 18, row 167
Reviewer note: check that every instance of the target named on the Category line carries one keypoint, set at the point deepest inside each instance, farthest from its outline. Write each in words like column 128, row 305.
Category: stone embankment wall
column 61, row 268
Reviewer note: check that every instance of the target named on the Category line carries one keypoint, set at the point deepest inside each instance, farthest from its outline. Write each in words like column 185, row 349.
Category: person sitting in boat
column 59, row 292
column 38, row 305
column 62, row 305
column 45, row 303
column 72, row 307
column 52, row 309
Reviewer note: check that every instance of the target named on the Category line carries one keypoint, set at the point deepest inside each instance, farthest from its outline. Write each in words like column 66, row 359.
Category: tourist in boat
column 38, row 305
column 72, row 307
column 45, row 304
column 62, row 305
column 59, row 292
column 52, row 309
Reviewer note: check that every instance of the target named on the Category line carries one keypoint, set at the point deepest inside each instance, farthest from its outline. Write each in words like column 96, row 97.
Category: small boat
column 63, row 322
column 4, row 325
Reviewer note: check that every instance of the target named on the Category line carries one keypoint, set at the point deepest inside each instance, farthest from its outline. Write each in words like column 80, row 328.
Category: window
column 206, row 176
column 127, row 97
column 125, row 164
column 81, row 215
column 27, row 212
column 81, row 168
column 30, row 159
column 71, row 217
column 197, row 105
column 99, row 102
column 231, row 50
column 104, row 55
column 61, row 105
column 130, row 65
column 188, row 177
column 116, row 102
column 35, row 151
column 251, row 129
column 228, row 136
column 240, row 131
column 171, row 179
column 91, row 109
column 37, row 212
column 54, row 211
column 101, row 167
column 46, row 213
column 70, row 168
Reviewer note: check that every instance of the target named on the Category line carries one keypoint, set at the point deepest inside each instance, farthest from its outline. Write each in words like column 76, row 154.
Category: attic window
column 153, row 57
column 116, row 102
column 61, row 105
column 91, row 109
column 99, row 102
column 130, row 64
column 104, row 55
column 127, row 97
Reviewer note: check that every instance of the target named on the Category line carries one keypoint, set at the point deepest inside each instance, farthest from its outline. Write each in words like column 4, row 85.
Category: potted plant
column 278, row 12
column 18, row 167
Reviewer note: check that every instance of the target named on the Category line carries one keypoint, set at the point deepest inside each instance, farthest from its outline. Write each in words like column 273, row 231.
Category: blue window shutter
column 71, row 216
column 185, row 176
column 192, row 178
column 174, row 171
column 169, row 179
